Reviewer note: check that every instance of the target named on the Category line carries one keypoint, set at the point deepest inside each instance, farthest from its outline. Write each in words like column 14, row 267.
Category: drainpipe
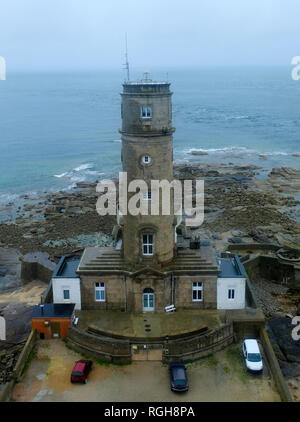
column 125, row 293
column 172, row 289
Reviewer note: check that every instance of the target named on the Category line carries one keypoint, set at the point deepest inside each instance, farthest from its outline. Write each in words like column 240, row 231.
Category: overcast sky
column 83, row 34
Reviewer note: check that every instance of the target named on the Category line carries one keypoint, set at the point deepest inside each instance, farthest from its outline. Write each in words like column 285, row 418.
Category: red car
column 81, row 371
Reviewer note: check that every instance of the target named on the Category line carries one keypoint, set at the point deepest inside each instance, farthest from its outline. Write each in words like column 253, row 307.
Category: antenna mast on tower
column 126, row 58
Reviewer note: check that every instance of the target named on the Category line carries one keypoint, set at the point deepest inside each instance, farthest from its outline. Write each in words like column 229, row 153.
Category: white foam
column 59, row 176
column 84, row 167
column 235, row 149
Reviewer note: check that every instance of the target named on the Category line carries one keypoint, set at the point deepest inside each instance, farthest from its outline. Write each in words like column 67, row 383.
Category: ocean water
column 60, row 128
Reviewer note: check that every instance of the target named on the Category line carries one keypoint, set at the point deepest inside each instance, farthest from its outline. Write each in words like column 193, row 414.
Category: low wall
column 119, row 351
column 7, row 390
column 30, row 343
column 98, row 347
column 95, row 330
column 199, row 346
column 234, row 248
column 275, row 368
column 5, row 394
column 36, row 266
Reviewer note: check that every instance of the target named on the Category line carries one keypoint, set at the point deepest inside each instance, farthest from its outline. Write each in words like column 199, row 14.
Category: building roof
column 231, row 268
column 66, row 268
column 51, row 310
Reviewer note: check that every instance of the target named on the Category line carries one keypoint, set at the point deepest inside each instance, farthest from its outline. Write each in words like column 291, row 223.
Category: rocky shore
column 235, row 199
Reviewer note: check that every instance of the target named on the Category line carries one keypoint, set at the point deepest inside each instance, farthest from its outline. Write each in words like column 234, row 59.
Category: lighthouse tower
column 147, row 154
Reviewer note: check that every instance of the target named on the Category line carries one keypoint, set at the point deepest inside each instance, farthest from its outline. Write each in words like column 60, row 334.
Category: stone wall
column 199, row 346
column 135, row 286
column 183, row 292
column 98, row 347
column 275, row 368
column 185, row 348
column 36, row 266
column 6, row 392
column 160, row 149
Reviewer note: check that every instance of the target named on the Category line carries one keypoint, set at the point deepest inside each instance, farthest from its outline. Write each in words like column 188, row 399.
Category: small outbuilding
column 66, row 282
column 52, row 320
column 231, row 285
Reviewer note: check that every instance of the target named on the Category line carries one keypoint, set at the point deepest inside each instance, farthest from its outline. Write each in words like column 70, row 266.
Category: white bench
column 170, row 308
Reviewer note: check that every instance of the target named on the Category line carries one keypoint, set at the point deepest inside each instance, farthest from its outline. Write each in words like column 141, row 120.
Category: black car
column 178, row 377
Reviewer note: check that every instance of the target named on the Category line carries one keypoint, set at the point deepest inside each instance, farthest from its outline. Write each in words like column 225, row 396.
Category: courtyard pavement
column 150, row 324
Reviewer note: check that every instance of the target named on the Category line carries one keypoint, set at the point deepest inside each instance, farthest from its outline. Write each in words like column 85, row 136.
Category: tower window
column 147, row 196
column 100, row 292
column 147, row 244
column 146, row 159
column 197, row 292
column 146, row 112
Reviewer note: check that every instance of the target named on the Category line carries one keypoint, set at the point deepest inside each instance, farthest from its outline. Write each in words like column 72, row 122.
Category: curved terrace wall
column 99, row 347
column 199, row 346
column 189, row 346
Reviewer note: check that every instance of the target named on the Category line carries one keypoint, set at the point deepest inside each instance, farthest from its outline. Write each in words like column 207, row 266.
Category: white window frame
column 148, row 244
column 66, row 289
column 197, row 287
column 100, row 287
column 231, row 296
column 147, row 196
column 146, row 159
column 146, row 112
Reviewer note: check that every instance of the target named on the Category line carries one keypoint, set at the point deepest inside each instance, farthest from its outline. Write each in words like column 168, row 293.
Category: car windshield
column 254, row 357
column 77, row 374
column 179, row 375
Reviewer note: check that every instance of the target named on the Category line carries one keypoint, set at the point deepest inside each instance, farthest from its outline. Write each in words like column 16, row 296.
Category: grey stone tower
column 147, row 154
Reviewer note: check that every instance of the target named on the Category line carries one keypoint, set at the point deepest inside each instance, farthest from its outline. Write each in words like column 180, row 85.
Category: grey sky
column 62, row 34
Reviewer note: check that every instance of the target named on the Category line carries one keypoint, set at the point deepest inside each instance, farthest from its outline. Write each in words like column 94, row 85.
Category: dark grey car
column 178, row 377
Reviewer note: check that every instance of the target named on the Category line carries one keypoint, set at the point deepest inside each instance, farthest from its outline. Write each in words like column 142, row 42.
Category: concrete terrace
column 109, row 260
column 159, row 324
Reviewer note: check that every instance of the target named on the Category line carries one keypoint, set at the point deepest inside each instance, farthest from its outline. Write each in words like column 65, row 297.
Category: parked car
column 81, row 371
column 252, row 356
column 178, row 377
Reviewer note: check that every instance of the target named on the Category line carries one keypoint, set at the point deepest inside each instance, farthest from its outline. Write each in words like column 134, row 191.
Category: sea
column 60, row 128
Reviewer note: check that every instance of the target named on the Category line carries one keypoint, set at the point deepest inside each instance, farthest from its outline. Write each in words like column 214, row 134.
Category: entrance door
column 55, row 329
column 148, row 300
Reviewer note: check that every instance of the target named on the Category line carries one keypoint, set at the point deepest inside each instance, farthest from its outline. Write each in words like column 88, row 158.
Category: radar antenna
column 126, row 60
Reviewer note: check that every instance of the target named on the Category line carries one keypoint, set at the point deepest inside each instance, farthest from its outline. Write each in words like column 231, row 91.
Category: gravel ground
column 221, row 377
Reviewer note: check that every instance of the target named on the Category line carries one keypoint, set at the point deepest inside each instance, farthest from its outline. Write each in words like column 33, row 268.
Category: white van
column 252, row 356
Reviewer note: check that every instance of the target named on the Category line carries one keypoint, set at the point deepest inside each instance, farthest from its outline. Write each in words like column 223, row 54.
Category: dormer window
column 146, row 112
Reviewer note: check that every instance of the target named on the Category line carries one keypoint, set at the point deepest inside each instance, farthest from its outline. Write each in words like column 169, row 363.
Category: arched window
column 148, row 290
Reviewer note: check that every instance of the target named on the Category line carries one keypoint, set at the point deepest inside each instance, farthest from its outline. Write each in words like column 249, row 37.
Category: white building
column 231, row 284
column 66, row 283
